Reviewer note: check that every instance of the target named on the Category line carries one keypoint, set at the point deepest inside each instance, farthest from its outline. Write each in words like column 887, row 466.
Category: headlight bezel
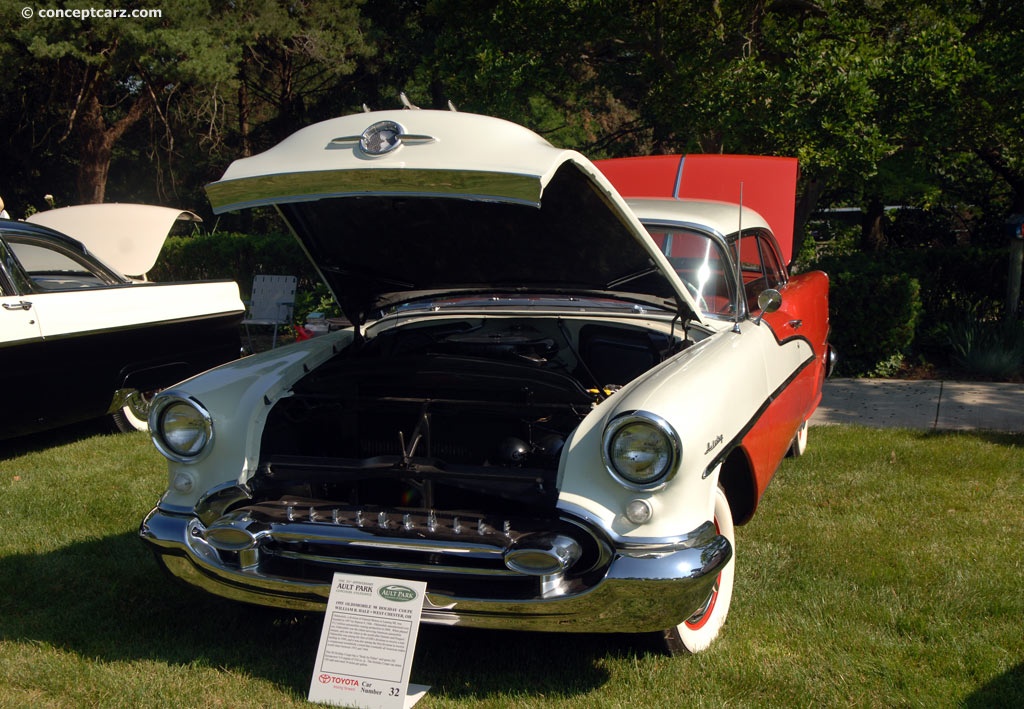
column 158, row 416
column 673, row 449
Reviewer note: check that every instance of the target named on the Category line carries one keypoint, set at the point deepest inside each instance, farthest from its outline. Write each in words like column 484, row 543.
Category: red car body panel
column 765, row 184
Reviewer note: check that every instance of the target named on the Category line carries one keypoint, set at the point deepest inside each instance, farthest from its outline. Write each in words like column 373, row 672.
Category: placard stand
column 367, row 643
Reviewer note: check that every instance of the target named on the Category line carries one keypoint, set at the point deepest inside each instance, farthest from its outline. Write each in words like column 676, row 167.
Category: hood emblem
column 381, row 138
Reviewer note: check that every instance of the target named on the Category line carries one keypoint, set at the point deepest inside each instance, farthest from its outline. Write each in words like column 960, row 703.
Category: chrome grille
column 302, row 538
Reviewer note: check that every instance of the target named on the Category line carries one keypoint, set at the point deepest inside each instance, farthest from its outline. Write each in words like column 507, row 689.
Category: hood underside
column 408, row 245
column 460, row 204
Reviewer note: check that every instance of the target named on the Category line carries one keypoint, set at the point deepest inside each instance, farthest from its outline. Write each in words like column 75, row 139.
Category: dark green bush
column 949, row 282
column 873, row 313
column 232, row 255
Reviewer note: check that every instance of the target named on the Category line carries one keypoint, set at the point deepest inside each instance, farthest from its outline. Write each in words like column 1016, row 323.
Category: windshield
column 701, row 265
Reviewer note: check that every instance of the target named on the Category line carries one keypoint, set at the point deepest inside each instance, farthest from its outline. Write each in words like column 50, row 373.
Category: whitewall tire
column 697, row 632
column 799, row 444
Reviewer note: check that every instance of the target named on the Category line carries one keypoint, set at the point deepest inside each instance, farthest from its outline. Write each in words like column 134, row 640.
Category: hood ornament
column 381, row 138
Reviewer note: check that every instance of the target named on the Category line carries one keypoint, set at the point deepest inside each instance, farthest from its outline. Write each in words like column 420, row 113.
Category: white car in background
column 79, row 339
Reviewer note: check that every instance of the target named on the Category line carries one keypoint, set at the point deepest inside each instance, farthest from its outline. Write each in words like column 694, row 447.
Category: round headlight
column 182, row 429
column 641, row 449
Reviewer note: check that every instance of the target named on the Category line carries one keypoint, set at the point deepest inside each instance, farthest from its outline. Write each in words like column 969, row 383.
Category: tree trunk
column 872, row 233
column 806, row 203
column 244, row 108
column 96, row 146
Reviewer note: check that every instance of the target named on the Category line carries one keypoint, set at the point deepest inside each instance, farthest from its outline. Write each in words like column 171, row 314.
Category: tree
column 104, row 74
column 294, row 56
column 846, row 86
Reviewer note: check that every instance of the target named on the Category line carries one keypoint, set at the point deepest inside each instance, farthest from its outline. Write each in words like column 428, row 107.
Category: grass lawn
column 883, row 568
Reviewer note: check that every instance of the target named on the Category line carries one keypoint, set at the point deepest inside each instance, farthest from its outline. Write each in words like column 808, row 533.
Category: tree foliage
column 101, row 76
column 883, row 101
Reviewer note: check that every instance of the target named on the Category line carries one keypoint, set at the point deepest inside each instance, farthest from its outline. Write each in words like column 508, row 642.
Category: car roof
column 723, row 218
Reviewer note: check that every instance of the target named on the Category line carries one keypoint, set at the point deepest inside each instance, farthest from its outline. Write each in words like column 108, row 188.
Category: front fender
column 239, row 396
column 709, row 394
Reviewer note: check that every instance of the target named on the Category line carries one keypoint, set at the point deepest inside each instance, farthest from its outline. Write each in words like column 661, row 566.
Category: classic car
column 80, row 340
column 553, row 405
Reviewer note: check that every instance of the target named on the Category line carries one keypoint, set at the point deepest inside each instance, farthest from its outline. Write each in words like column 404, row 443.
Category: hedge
column 235, row 256
column 899, row 303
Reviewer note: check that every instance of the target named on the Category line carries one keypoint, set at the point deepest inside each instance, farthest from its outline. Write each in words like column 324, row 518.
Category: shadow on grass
column 1006, row 690
column 108, row 599
column 14, row 447
column 995, row 437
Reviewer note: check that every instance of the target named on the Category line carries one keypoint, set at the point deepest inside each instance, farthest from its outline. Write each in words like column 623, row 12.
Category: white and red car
column 79, row 338
column 560, row 393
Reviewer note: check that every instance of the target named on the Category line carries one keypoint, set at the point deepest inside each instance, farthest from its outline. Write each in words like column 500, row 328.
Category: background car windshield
column 701, row 265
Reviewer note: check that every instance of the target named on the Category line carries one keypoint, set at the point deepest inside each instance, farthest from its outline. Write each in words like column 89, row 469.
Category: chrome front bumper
column 644, row 588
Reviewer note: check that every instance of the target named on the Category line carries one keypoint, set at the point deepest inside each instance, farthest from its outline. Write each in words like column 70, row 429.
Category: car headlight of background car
column 182, row 429
column 641, row 450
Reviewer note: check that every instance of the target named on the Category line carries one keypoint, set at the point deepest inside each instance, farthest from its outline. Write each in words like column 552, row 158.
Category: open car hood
column 394, row 205
column 127, row 237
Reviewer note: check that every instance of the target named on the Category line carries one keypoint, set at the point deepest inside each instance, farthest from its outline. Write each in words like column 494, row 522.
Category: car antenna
column 739, row 270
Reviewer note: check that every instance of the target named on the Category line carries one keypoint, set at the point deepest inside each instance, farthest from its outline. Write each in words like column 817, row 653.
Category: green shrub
column 873, row 314
column 948, row 282
column 234, row 256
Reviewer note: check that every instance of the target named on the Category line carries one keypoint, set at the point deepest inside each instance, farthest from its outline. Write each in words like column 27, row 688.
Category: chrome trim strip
column 231, row 195
column 299, row 532
column 378, row 565
column 679, row 177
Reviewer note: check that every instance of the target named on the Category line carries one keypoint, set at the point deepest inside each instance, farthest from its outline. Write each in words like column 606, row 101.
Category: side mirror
column 768, row 301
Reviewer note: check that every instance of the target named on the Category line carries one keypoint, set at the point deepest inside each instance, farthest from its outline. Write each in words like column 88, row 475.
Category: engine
column 449, row 415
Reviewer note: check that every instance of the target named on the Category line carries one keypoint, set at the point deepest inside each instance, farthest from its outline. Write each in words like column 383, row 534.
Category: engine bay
column 439, row 414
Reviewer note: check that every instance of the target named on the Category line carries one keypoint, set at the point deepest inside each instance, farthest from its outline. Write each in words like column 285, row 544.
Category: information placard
column 367, row 642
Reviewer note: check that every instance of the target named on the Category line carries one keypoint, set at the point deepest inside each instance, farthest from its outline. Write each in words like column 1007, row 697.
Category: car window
column 701, row 265
column 760, row 267
column 50, row 267
column 12, row 279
